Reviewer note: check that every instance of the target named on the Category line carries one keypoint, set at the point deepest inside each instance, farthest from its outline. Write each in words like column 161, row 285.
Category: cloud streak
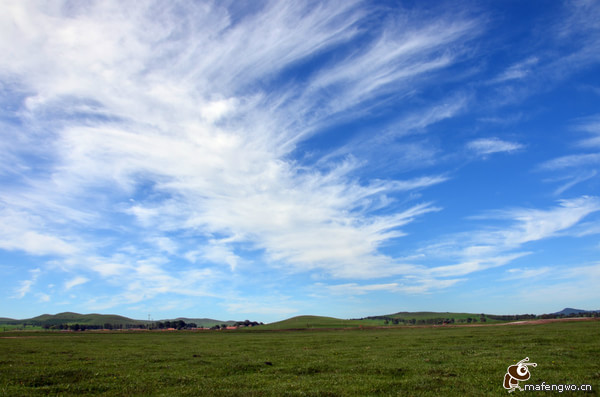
column 485, row 146
column 165, row 117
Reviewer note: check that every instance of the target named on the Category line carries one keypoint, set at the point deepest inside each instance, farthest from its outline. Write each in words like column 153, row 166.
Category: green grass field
column 408, row 361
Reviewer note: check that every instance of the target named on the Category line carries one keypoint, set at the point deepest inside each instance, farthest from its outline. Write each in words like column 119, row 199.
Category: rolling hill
column 568, row 311
column 100, row 320
column 86, row 319
column 307, row 322
column 298, row 322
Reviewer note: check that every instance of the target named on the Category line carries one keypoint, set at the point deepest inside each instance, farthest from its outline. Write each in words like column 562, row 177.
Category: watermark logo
column 516, row 373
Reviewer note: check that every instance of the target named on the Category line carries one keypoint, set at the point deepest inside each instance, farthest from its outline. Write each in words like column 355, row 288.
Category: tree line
column 427, row 321
column 482, row 318
column 175, row 324
column 237, row 324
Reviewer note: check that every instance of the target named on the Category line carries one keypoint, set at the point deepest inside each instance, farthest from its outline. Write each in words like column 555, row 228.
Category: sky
column 266, row 159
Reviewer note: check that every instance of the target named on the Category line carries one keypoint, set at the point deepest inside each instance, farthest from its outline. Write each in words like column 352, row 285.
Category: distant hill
column 94, row 319
column 567, row 311
column 72, row 320
column 307, row 322
column 395, row 319
column 84, row 319
column 433, row 318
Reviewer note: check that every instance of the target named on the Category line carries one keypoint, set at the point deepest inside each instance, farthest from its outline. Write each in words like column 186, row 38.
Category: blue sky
column 263, row 160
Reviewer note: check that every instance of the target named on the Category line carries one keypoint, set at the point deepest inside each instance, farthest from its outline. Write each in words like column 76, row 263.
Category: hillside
column 85, row 319
column 568, row 311
column 400, row 318
column 94, row 319
column 307, row 322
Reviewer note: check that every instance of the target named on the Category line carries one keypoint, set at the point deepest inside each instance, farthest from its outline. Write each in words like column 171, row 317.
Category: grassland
column 411, row 361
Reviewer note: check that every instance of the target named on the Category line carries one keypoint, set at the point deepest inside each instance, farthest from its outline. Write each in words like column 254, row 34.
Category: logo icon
column 516, row 373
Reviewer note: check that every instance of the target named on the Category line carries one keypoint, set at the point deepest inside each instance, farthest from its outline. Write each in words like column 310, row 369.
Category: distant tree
column 179, row 324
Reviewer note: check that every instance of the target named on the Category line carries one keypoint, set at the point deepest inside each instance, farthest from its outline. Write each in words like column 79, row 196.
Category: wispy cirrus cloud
column 412, row 285
column 493, row 247
column 517, row 71
column 480, row 250
column 75, row 282
column 26, row 285
column 485, row 146
column 578, row 167
column 573, row 33
column 167, row 117
column 202, row 150
column 572, row 283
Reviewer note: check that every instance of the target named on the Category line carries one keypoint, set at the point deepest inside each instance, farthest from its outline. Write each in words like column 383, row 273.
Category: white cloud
column 590, row 124
column 566, row 286
column 486, row 146
column 26, row 285
column 357, row 289
column 475, row 263
column 577, row 168
column 43, row 297
column 75, row 282
column 526, row 273
column 160, row 112
column 418, row 121
column 172, row 131
column 165, row 244
column 418, row 283
column 518, row 71
column 574, row 180
column 535, row 225
column 571, row 161
column 493, row 247
column 21, row 231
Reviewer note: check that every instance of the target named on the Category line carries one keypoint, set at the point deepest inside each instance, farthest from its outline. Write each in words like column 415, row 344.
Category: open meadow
column 409, row 361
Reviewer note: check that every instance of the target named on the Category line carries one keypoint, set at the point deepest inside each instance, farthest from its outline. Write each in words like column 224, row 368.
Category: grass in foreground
column 401, row 361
